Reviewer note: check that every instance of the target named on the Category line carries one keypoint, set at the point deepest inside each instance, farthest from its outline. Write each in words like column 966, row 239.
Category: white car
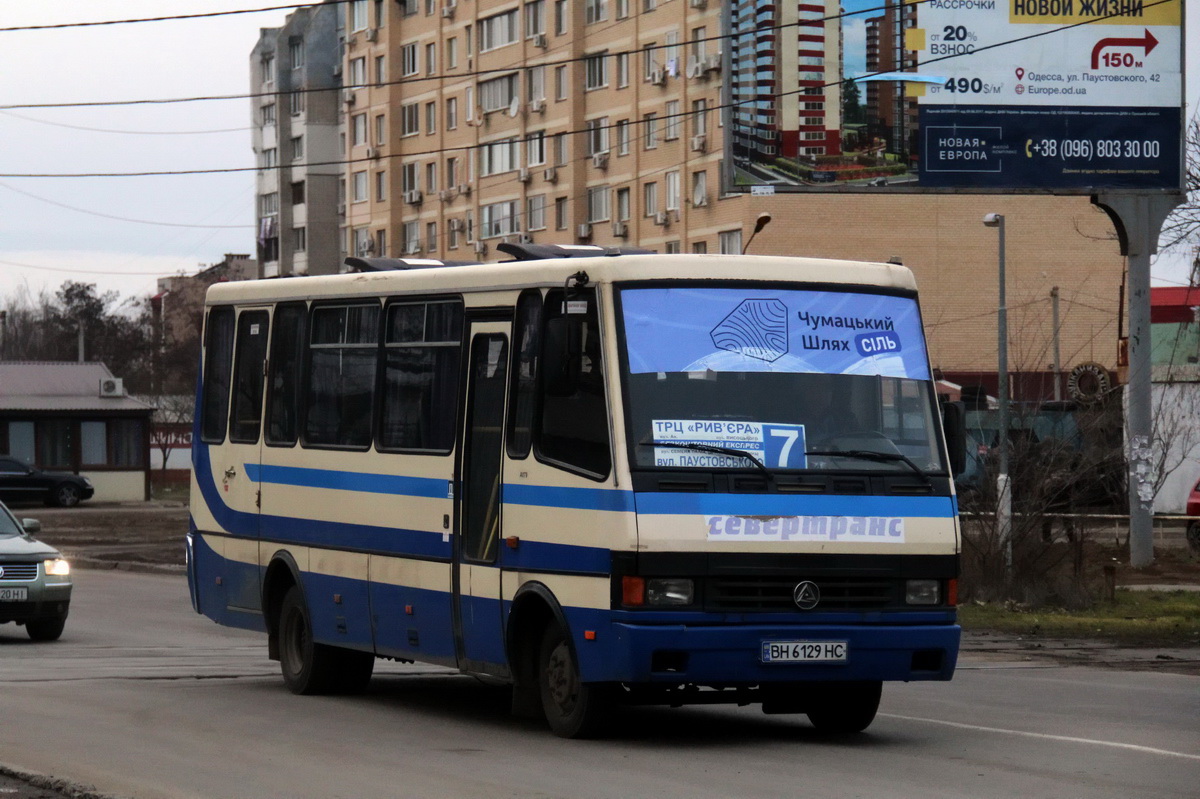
column 35, row 581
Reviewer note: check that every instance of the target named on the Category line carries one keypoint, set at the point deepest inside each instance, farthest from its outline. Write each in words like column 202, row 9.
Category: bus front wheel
column 573, row 708
column 846, row 707
column 312, row 668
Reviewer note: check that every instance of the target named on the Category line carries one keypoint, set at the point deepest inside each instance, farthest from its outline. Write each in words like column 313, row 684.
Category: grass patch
column 1136, row 617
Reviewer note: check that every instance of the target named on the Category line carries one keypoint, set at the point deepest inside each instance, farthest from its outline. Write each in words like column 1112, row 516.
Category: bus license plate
column 804, row 652
column 14, row 594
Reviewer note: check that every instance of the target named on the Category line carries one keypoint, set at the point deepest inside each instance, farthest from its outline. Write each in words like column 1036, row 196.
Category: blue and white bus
column 601, row 476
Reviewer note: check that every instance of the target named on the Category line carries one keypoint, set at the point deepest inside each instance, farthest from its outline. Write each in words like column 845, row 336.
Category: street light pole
column 1004, row 506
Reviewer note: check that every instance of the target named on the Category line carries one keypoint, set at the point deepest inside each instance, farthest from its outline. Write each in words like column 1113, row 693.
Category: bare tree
column 1181, row 231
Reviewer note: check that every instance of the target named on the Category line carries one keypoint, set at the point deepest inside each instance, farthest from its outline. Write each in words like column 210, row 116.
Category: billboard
column 1064, row 96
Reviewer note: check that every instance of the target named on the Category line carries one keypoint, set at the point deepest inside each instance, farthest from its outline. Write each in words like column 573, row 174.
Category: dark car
column 35, row 581
column 21, row 482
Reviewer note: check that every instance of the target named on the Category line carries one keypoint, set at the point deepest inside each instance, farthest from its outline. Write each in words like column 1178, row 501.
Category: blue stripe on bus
column 402, row 485
column 567, row 558
column 792, row 505
column 559, row 497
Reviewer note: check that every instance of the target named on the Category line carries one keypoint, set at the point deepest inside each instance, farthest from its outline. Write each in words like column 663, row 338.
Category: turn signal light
column 952, row 593
column 633, row 591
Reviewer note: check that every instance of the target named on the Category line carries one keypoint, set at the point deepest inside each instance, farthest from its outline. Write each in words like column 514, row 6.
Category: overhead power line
column 120, row 218
column 201, row 15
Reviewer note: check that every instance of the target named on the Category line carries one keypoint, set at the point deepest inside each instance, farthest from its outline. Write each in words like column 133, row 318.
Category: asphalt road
column 143, row 698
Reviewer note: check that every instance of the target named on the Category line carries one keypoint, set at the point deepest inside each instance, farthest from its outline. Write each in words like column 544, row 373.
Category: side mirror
column 31, row 526
column 561, row 356
column 954, row 424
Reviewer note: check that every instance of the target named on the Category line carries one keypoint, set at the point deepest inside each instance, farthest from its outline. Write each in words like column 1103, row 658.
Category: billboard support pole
column 1138, row 218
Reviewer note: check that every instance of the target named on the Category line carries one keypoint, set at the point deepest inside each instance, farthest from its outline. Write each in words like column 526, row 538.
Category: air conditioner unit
column 367, row 247
column 658, row 77
column 372, row 34
column 584, row 231
column 620, row 229
column 448, row 11
column 700, row 143
column 413, row 197
column 413, row 248
column 600, row 160
column 464, row 189
column 525, row 238
column 539, row 40
column 348, row 97
column 550, row 174
column 341, row 208
column 446, row 195
column 337, row 70
column 537, row 106
column 661, row 219
column 523, row 175
column 713, row 63
column 480, row 247
column 372, row 152
column 456, row 224
column 701, row 4
column 700, row 201
column 112, row 387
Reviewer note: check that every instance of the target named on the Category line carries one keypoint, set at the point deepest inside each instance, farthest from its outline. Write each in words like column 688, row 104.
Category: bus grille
column 775, row 593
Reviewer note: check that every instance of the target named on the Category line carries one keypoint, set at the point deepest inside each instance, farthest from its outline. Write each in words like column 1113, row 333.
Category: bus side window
column 573, row 428
column 287, row 357
column 528, row 341
column 422, row 360
column 218, row 368
column 343, row 355
column 246, row 420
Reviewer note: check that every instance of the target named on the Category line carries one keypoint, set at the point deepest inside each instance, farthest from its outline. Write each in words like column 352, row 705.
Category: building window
column 451, row 172
column 594, row 11
column 380, row 129
column 597, row 135
column 431, row 58
column 498, row 30
column 622, row 70
column 297, row 145
column 358, row 71
column 381, row 243
column 296, row 53
column 622, row 9
column 299, row 239
column 358, row 126
column 498, row 93
column 408, row 177
column 408, row 59
column 699, row 117
column 649, row 199
column 731, row 242
column 560, row 83
column 410, row 119
column 358, row 15
column 452, row 53
column 535, row 83
column 270, row 158
column 296, row 103
column 699, row 188
column 700, row 247
column 673, row 247
column 623, row 202
column 595, row 72
column 672, row 123
column 560, row 213
column 597, row 204
column 535, row 148
column 672, row 184
column 497, row 157
column 298, row 193
column 536, row 212
column 359, row 187
column 560, row 149
column 650, row 130
column 430, row 118
column 535, row 18
column 268, row 114
column 451, row 113
column 380, row 70
column 431, row 237
column 267, row 68
column 498, row 219
column 560, row 17
column 380, row 188
column 623, row 137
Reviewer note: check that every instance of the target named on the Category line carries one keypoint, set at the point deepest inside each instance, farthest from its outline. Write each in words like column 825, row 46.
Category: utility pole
column 1004, row 488
column 1057, row 352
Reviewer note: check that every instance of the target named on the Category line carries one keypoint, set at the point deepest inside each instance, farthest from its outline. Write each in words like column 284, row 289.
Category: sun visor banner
column 698, row 331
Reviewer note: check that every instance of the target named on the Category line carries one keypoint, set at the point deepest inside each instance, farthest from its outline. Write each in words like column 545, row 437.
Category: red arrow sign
column 1148, row 42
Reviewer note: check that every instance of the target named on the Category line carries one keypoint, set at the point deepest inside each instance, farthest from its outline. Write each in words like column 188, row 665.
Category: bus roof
column 554, row 272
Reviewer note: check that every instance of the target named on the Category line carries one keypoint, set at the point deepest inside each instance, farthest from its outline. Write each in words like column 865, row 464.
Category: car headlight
column 922, row 592
column 57, row 567
column 669, row 591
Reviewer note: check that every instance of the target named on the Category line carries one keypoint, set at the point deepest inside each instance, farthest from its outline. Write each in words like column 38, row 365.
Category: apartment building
column 603, row 121
column 295, row 71
column 891, row 113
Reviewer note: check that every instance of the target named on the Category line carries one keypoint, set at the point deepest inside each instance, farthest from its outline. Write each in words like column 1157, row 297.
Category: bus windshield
column 783, row 379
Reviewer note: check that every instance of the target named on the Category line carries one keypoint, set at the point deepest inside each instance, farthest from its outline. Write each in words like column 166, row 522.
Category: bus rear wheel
column 312, row 668
column 573, row 708
column 847, row 707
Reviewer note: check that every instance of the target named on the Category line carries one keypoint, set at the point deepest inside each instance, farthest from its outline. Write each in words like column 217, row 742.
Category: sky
column 124, row 233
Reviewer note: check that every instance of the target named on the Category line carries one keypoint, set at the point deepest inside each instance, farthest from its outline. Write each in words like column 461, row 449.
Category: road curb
column 65, row 787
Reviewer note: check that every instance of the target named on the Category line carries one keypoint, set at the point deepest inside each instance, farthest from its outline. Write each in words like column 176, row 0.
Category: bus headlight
column 922, row 592
column 56, row 568
column 669, row 591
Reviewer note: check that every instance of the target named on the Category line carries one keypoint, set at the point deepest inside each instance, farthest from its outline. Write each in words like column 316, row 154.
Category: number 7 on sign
column 780, row 446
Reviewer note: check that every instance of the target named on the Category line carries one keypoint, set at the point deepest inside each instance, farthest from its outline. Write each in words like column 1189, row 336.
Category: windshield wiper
column 713, row 448
column 871, row 455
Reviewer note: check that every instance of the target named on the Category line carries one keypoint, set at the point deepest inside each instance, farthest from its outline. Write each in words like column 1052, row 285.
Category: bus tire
column 573, row 708
column 308, row 667
column 847, row 707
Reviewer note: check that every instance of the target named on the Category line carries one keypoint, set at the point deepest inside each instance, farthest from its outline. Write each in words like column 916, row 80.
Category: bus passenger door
column 239, row 461
column 478, row 614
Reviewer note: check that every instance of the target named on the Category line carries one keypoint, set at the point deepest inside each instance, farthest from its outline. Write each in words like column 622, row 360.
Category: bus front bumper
column 732, row 655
